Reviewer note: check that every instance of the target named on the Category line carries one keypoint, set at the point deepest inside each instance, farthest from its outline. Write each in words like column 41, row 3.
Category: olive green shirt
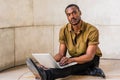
column 77, row 44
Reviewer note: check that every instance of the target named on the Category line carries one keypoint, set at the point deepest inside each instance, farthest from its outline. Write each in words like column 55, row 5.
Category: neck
column 76, row 28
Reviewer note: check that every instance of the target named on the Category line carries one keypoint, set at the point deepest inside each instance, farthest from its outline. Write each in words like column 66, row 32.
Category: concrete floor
column 110, row 67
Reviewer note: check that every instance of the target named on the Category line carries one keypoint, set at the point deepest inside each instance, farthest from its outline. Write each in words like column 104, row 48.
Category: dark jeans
column 55, row 73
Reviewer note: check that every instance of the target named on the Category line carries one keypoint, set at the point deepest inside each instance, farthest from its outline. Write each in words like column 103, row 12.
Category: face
column 73, row 15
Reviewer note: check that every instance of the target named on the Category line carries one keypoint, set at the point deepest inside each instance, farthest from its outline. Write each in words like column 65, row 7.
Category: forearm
column 82, row 59
column 61, row 53
column 58, row 57
column 88, row 56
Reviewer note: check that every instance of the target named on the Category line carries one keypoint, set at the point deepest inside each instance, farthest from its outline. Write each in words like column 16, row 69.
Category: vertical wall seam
column 32, row 7
column 53, row 40
column 14, row 47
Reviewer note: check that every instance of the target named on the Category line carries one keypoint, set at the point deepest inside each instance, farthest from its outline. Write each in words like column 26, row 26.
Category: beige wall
column 28, row 26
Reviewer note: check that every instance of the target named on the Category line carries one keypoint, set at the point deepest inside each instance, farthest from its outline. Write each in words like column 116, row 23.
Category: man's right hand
column 61, row 53
column 57, row 57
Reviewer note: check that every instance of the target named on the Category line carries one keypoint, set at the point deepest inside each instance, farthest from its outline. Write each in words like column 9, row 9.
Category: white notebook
column 48, row 61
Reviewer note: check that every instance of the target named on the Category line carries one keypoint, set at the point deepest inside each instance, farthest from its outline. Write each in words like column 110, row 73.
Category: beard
column 75, row 21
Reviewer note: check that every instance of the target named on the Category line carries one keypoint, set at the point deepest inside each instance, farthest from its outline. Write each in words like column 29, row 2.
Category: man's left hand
column 65, row 61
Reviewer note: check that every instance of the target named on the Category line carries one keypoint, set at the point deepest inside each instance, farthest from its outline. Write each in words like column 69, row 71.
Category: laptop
column 48, row 61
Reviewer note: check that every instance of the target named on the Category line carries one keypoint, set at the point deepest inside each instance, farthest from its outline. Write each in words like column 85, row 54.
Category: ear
column 80, row 13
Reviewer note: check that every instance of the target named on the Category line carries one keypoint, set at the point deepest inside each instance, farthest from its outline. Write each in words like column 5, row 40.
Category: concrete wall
column 28, row 26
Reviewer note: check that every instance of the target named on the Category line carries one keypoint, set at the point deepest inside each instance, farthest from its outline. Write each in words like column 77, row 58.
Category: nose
column 71, row 16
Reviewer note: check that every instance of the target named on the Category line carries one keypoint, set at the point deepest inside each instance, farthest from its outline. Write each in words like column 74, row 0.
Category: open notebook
column 48, row 61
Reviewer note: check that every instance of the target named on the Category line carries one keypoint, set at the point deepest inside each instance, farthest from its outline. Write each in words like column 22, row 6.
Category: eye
column 74, row 12
column 68, row 14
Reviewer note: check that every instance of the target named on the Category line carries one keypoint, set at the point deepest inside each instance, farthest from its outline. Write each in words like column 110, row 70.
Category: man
column 81, row 39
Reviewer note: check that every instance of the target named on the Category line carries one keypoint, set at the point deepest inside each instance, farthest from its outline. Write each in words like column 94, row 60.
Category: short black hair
column 70, row 5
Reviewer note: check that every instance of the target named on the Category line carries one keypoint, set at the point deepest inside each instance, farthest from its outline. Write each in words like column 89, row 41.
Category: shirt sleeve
column 93, row 37
column 61, row 36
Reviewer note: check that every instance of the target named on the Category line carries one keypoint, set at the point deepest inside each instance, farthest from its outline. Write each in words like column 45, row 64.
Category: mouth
column 74, row 21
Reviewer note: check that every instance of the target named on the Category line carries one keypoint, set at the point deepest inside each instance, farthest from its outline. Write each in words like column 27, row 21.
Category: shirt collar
column 82, row 26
